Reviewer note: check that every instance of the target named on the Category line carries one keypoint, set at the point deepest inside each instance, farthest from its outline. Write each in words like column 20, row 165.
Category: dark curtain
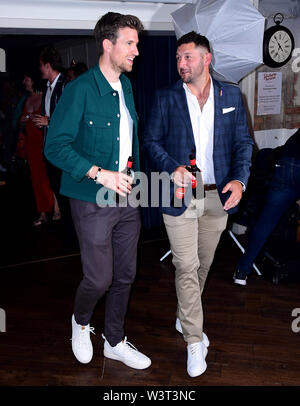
column 154, row 68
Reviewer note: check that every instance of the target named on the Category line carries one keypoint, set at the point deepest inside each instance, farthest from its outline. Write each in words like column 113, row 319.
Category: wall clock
column 278, row 44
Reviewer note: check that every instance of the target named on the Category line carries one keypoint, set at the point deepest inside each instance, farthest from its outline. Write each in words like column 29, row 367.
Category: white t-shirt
column 126, row 128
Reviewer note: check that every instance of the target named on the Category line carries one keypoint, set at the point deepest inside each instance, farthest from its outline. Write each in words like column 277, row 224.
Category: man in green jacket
column 92, row 133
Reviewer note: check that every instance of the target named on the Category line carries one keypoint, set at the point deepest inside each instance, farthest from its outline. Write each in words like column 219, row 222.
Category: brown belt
column 211, row 186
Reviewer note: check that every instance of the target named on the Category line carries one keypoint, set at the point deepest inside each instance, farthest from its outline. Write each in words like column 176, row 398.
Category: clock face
column 280, row 46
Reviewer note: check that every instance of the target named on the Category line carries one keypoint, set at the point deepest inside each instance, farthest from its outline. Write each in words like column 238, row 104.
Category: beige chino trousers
column 194, row 237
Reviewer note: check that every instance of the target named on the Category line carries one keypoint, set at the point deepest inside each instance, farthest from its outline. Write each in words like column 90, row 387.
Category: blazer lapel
column 180, row 100
column 56, row 93
column 218, row 94
column 53, row 99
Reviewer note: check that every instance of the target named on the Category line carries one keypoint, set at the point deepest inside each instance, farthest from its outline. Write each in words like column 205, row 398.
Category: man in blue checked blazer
column 198, row 114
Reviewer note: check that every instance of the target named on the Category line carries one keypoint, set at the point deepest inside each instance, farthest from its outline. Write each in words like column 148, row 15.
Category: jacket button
column 116, row 162
column 114, row 93
column 118, row 115
column 90, row 123
column 118, row 138
column 108, row 124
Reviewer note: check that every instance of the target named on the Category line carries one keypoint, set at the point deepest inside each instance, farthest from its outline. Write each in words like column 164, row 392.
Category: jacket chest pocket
column 98, row 135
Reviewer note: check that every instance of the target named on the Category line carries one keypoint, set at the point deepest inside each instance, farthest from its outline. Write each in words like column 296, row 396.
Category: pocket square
column 228, row 110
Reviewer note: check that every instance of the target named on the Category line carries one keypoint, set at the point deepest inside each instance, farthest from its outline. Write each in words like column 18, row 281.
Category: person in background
column 198, row 114
column 43, row 193
column 92, row 133
column 23, row 94
column 76, row 70
column 70, row 73
column 80, row 68
column 284, row 190
column 51, row 69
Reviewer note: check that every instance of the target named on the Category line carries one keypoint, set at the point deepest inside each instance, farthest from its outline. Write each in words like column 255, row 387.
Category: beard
column 191, row 75
column 121, row 67
column 186, row 77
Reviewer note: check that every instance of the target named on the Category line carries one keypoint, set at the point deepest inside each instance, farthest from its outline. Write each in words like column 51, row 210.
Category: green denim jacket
column 84, row 131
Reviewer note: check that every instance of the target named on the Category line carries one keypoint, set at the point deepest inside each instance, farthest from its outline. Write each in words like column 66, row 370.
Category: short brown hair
column 109, row 24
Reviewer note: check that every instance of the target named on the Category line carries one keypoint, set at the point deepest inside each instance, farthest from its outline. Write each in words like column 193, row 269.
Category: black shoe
column 240, row 278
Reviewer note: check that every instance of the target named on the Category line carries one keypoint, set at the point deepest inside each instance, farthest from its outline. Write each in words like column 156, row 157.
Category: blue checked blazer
column 169, row 140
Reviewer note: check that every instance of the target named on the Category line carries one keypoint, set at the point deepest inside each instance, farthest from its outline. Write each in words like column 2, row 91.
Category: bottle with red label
column 129, row 171
column 197, row 184
column 179, row 193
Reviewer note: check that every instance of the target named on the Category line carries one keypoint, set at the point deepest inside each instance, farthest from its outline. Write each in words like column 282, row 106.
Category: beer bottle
column 179, row 192
column 197, row 183
column 129, row 171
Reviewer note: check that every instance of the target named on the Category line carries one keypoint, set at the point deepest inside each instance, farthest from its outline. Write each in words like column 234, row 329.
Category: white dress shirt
column 50, row 87
column 203, row 130
column 126, row 128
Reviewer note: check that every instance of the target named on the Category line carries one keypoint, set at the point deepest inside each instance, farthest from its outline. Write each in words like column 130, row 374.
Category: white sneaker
column 240, row 278
column 81, row 343
column 126, row 353
column 179, row 329
column 196, row 364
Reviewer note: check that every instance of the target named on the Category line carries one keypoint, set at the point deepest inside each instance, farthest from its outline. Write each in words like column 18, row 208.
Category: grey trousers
column 194, row 237
column 108, row 238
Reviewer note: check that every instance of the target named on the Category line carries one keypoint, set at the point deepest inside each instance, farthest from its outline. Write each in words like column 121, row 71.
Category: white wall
column 290, row 9
column 80, row 14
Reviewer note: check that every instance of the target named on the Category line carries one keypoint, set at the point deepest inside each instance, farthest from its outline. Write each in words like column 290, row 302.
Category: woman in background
column 44, row 196
column 283, row 191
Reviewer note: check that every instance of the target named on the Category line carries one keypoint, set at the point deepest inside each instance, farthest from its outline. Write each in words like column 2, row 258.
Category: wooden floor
column 249, row 328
